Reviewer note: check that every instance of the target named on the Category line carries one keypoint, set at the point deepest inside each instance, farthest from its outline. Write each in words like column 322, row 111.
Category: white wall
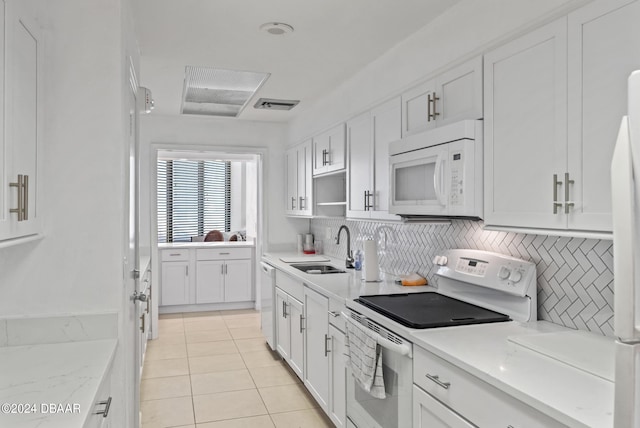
column 238, row 196
column 222, row 134
column 467, row 28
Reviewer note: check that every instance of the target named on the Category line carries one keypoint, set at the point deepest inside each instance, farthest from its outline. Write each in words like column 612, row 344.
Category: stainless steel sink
column 318, row 269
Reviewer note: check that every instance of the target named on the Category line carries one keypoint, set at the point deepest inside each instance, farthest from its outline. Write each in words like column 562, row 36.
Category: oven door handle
column 403, row 349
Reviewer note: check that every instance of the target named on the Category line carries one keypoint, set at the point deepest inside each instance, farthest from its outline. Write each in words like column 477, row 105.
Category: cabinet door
column 320, row 153
column 296, row 325
column 283, row 334
column 360, row 158
column 337, row 148
column 525, row 128
column 305, row 183
column 338, row 378
column 209, row 281
column 387, row 127
column 22, row 109
column 460, row 93
column 604, row 48
column 291, row 160
column 316, row 367
column 175, row 283
column 415, row 109
column 237, row 281
column 430, row 413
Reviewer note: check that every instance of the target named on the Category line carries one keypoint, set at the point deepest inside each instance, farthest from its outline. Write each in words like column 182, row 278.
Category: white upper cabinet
column 449, row 97
column 525, row 108
column 299, row 182
column 553, row 104
column 329, row 149
column 604, row 48
column 20, row 122
column 368, row 138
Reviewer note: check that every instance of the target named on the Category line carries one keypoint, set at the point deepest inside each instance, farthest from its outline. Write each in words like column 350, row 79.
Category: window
column 194, row 197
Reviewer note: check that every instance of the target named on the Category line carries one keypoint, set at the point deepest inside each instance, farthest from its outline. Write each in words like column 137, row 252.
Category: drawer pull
column 436, row 379
column 175, row 254
column 334, row 314
column 107, row 405
column 224, row 254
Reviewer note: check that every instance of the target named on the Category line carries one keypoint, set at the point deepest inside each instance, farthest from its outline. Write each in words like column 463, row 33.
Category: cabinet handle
column 567, row 204
column 436, row 379
column 20, row 185
column 142, row 326
column 327, row 338
column 556, row 204
column 324, row 157
column 186, row 271
column 284, row 309
column 148, row 300
column 293, row 202
column 224, row 254
column 302, row 205
column 107, row 406
column 174, row 254
column 334, row 313
column 433, row 100
column 428, row 107
column 367, row 200
column 25, row 198
column 301, row 327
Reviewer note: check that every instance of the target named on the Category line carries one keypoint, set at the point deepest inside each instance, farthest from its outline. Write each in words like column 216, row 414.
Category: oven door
column 418, row 182
column 365, row 411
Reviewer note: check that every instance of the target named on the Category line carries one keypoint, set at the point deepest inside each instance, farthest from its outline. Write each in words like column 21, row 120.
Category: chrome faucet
column 349, row 260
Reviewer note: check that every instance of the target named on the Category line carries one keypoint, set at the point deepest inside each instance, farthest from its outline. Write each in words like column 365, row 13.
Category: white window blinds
column 194, row 197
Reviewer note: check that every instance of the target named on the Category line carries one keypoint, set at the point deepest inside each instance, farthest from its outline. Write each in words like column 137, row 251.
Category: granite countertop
column 60, row 374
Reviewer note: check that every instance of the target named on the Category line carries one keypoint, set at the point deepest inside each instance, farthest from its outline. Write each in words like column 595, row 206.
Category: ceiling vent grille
column 219, row 92
column 275, row 104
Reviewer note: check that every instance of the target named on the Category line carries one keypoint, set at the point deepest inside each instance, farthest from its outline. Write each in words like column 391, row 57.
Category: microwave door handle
column 624, row 232
column 438, row 180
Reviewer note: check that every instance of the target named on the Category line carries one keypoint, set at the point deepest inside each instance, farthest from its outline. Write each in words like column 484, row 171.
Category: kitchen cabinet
column 223, row 275
column 99, row 416
column 290, row 330
column 299, row 198
column 175, row 281
column 21, row 113
column 316, row 341
column 447, row 396
column 329, row 150
column 368, row 139
column 553, row 101
column 337, row 406
column 525, row 128
column 449, row 97
column 603, row 50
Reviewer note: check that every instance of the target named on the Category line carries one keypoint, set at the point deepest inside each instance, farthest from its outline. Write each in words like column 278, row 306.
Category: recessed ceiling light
column 276, row 28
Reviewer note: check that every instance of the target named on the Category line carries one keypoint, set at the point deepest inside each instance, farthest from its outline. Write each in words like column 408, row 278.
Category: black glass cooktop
column 429, row 310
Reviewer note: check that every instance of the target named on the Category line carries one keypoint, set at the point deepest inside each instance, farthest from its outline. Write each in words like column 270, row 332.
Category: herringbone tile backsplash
column 575, row 276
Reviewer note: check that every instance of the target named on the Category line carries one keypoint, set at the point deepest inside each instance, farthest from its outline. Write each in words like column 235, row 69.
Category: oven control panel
column 472, row 267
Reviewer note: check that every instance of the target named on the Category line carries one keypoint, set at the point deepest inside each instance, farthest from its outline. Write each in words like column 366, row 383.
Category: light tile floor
column 215, row 370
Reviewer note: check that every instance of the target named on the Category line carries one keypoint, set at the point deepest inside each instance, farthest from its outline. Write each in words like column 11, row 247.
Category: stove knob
column 515, row 276
column 504, row 272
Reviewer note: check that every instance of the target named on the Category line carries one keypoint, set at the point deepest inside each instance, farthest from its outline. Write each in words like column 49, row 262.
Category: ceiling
column 332, row 40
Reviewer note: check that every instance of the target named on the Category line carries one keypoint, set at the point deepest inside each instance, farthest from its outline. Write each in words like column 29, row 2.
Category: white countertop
column 341, row 286
column 551, row 385
column 60, row 373
column 212, row 244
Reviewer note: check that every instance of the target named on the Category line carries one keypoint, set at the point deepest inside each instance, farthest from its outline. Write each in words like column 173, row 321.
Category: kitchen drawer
column 175, row 255
column 223, row 253
column 335, row 319
column 291, row 286
column 474, row 399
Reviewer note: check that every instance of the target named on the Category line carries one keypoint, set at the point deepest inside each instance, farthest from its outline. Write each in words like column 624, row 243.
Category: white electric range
column 474, row 287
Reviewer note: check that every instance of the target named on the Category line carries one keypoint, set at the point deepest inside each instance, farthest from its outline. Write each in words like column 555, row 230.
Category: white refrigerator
column 625, row 181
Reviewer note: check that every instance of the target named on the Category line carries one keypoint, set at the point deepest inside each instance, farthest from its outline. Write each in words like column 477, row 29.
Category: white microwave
column 438, row 173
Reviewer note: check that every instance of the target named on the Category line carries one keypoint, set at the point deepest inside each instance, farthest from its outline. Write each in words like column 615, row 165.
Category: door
column 430, row 413
column 604, row 48
column 418, row 184
column 460, row 93
column 237, row 281
column 296, row 331
column 387, row 127
column 416, row 104
column 359, row 173
column 321, row 153
column 525, row 129
column 283, row 333
column 23, row 112
column 210, row 275
column 316, row 340
column 338, row 378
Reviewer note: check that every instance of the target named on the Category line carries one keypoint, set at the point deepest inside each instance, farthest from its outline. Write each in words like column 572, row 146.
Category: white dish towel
column 365, row 358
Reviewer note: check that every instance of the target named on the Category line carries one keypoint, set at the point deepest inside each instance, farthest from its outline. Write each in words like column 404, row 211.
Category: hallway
column 214, row 370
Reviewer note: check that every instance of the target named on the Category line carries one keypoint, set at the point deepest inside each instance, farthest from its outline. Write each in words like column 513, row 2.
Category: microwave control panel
column 456, row 196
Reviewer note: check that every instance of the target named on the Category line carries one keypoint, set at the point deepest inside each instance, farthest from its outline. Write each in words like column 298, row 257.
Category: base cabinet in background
column 337, row 378
column 175, row 283
column 289, row 330
column 316, row 339
column 430, row 413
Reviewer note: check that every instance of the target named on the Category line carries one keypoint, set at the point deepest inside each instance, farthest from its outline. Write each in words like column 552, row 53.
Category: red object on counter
column 309, row 251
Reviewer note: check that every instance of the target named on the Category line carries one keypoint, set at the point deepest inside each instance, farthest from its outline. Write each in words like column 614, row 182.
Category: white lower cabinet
column 440, row 387
column 175, row 283
column 316, row 339
column 337, row 378
column 289, row 330
column 99, row 414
